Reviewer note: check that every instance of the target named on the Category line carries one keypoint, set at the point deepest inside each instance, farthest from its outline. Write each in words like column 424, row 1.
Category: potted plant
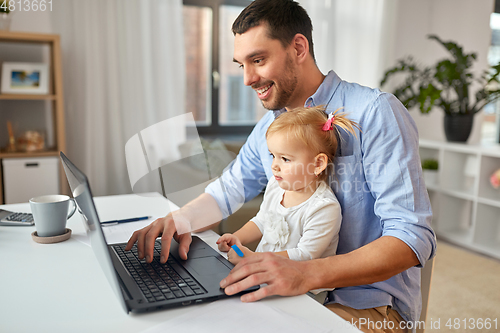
column 430, row 169
column 447, row 85
column 5, row 18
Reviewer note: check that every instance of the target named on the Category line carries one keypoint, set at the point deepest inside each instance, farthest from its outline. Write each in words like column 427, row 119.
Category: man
column 385, row 235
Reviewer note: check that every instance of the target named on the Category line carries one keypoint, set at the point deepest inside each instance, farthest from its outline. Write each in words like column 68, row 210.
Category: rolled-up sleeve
column 394, row 175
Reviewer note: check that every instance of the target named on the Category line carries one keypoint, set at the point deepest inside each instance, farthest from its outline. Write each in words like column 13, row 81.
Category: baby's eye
column 271, row 154
column 285, row 159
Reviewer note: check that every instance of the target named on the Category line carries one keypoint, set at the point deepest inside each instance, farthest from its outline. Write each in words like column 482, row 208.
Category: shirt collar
column 326, row 90
column 323, row 95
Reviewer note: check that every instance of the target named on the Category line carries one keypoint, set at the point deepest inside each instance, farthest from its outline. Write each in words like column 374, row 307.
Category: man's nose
column 250, row 77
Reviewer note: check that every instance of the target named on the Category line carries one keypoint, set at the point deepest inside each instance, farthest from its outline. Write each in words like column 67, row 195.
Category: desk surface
column 61, row 287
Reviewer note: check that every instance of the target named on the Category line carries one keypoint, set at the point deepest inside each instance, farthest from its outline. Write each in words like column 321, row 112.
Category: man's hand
column 178, row 225
column 283, row 277
column 146, row 237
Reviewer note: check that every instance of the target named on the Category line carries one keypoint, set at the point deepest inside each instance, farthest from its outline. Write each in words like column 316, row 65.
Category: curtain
column 124, row 71
column 354, row 38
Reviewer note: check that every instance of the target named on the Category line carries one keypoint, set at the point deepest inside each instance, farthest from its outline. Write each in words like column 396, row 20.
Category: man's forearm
column 202, row 213
column 374, row 262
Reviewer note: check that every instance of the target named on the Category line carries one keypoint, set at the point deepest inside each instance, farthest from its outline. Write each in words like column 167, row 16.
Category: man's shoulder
column 361, row 101
column 356, row 93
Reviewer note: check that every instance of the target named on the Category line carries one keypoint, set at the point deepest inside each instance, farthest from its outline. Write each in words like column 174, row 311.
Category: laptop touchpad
column 208, row 266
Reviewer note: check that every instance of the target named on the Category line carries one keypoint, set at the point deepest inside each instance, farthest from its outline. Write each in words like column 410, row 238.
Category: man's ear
column 320, row 163
column 301, row 46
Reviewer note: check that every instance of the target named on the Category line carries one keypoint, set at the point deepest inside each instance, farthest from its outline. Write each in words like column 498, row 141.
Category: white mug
column 50, row 213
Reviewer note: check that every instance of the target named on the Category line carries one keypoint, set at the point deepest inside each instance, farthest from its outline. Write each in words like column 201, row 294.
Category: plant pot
column 457, row 128
column 5, row 20
column 430, row 177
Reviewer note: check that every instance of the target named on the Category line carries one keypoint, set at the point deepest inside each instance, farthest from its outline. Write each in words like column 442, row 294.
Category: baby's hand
column 235, row 259
column 226, row 241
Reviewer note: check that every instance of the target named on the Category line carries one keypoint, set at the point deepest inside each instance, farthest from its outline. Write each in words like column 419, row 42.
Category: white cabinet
column 25, row 178
column 466, row 206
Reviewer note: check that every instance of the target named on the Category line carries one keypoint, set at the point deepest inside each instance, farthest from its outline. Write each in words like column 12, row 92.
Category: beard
column 284, row 87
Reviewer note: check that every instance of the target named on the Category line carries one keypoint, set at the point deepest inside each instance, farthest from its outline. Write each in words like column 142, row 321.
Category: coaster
column 52, row 239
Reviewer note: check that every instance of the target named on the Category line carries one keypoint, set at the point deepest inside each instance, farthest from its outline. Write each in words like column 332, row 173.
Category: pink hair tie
column 329, row 123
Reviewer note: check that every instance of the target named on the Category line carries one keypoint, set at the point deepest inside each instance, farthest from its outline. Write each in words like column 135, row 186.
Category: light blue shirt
column 377, row 180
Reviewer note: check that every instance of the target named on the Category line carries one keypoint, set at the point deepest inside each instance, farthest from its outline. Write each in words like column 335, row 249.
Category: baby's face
column 293, row 162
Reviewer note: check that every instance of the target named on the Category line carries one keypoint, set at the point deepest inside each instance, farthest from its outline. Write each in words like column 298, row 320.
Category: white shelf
column 456, row 194
column 466, row 207
column 457, row 237
column 489, row 202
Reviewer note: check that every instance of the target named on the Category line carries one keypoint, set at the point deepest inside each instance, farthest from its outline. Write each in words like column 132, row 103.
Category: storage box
column 25, row 178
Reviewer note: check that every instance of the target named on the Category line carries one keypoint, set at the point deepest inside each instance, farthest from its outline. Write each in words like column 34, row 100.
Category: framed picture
column 24, row 78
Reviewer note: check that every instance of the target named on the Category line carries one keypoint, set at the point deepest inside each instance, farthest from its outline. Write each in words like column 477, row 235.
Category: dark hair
column 285, row 19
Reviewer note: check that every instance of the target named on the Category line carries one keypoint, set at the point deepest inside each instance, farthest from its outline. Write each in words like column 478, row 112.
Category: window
column 216, row 95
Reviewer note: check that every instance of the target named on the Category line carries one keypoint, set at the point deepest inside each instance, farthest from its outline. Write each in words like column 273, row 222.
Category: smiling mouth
column 261, row 92
column 278, row 177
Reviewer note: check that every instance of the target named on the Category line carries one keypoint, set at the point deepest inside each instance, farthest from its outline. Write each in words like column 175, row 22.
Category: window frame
column 215, row 128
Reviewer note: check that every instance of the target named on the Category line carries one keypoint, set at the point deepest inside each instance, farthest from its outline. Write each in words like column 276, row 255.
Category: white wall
column 38, row 22
column 463, row 21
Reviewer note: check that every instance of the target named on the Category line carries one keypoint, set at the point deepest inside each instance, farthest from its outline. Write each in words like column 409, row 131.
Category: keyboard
column 13, row 218
column 158, row 282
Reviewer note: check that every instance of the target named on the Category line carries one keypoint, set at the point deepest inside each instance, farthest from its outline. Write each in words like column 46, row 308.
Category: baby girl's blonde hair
column 314, row 128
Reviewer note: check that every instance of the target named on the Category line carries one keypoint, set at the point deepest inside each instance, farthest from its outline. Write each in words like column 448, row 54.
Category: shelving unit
column 466, row 207
column 55, row 97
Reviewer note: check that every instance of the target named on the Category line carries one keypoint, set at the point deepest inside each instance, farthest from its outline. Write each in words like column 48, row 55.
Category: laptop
column 140, row 286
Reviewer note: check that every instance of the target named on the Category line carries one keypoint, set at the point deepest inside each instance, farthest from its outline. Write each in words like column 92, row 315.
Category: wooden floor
column 465, row 285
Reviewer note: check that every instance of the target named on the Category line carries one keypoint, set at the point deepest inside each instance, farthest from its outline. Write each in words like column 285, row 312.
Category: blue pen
column 237, row 250
column 134, row 219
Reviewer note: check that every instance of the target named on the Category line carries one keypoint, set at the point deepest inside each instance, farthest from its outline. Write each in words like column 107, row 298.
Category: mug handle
column 74, row 208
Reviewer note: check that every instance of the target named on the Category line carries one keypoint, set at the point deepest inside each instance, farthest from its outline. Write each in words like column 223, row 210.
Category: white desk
column 61, row 287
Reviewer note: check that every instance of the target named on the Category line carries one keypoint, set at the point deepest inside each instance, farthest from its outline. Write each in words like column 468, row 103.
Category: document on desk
column 118, row 233
column 121, row 233
column 236, row 316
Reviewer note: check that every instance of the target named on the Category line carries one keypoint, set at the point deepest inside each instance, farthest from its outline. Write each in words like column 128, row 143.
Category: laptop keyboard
column 158, row 282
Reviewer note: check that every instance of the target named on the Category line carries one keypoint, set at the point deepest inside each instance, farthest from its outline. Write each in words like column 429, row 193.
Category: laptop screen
column 80, row 189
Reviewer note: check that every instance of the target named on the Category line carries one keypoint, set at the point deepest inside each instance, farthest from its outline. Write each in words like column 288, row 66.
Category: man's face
column 268, row 67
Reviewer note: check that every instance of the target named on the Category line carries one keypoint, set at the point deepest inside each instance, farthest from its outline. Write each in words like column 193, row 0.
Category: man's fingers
column 247, row 282
column 166, row 239
column 141, row 235
column 242, row 270
column 165, row 248
column 184, row 241
column 257, row 295
column 132, row 240
column 150, row 238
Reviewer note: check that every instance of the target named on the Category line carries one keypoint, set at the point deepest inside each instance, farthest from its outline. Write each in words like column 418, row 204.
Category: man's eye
column 257, row 61
column 240, row 66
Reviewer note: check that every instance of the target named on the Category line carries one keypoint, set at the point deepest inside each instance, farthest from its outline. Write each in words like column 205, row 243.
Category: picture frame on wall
column 24, row 78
